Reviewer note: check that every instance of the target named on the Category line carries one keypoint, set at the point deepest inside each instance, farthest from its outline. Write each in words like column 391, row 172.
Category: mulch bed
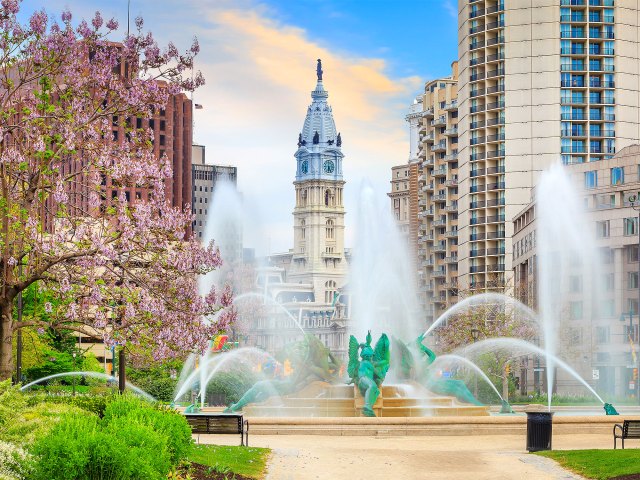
column 632, row 476
column 202, row 472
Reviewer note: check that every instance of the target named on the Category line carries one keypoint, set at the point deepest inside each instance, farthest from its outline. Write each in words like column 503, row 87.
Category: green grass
column 597, row 464
column 248, row 461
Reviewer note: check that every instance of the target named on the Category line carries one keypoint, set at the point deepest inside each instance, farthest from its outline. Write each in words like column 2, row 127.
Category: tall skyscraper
column 540, row 81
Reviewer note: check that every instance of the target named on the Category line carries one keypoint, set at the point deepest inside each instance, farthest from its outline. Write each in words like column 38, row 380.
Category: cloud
column 259, row 78
column 451, row 8
column 259, row 74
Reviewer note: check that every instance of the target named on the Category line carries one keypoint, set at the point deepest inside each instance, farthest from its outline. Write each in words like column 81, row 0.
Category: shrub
column 167, row 422
column 91, row 403
column 14, row 462
column 30, row 424
column 87, row 448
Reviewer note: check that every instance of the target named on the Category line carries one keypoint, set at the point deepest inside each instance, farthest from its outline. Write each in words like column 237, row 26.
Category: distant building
column 204, row 178
column 600, row 337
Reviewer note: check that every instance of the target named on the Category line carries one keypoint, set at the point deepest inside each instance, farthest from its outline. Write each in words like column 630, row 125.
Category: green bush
column 30, row 424
column 91, row 403
column 232, row 384
column 167, row 422
column 88, row 448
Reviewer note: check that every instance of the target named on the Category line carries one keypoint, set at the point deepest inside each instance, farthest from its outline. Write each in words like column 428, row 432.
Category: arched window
column 329, row 229
column 303, row 229
column 330, row 291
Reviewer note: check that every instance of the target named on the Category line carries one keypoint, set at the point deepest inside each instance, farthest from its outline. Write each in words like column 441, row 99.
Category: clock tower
column 318, row 255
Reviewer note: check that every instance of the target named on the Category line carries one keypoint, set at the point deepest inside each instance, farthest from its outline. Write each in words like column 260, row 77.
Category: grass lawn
column 598, row 464
column 247, row 461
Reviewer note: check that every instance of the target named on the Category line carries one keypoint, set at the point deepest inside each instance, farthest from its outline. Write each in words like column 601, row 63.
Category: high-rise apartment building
column 438, row 195
column 400, row 195
column 540, row 81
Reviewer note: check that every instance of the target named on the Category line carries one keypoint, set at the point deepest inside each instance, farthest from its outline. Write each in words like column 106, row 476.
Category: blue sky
column 258, row 59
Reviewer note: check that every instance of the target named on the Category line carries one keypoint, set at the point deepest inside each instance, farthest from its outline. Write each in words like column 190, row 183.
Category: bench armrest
column 617, row 425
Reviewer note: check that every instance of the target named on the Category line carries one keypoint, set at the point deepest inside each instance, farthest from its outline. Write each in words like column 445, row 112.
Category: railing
column 495, row 89
column 495, row 56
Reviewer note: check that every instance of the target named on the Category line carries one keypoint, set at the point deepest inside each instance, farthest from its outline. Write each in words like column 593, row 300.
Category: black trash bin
column 539, row 430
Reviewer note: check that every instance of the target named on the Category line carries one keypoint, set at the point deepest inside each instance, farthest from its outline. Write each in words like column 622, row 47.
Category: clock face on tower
column 304, row 168
column 329, row 166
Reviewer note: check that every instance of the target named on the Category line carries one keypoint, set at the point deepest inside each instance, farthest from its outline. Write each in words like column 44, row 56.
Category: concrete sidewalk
column 477, row 457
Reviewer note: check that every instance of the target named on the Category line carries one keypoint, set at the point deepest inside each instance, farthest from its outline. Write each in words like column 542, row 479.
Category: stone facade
column 599, row 337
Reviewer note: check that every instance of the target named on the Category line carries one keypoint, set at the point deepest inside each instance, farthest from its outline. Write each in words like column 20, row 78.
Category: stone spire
column 319, row 118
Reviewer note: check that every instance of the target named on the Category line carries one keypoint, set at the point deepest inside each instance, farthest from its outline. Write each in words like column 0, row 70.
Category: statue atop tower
column 319, row 70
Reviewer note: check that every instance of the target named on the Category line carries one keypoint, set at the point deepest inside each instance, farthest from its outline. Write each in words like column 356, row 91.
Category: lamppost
column 631, row 341
column 475, row 334
column 74, row 377
column 634, row 200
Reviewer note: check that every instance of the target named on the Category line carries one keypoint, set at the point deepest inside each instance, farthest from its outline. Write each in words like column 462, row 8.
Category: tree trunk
column 6, row 338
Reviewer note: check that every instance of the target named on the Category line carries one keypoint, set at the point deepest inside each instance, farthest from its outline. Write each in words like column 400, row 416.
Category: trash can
column 539, row 429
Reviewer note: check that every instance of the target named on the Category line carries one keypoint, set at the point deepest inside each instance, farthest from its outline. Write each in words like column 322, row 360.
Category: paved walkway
column 477, row 457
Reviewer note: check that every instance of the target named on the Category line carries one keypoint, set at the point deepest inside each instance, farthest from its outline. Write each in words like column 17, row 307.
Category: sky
column 259, row 60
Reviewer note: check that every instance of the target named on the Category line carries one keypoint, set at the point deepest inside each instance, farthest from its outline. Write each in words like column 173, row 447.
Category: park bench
column 629, row 429
column 219, row 423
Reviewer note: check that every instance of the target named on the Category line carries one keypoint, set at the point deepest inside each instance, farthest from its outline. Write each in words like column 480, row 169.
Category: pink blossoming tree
column 122, row 271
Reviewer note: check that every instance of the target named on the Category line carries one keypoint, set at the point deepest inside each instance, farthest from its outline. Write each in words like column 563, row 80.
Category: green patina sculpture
column 610, row 409
column 368, row 373
column 310, row 361
column 424, row 375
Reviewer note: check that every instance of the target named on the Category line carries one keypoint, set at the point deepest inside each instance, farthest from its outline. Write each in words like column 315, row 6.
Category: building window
column 630, row 226
column 602, row 229
column 575, row 310
column 609, row 282
column 330, row 291
column 329, row 228
column 632, row 253
column 632, row 306
column 591, row 179
column 617, row 176
column 602, row 335
column 632, row 280
column 575, row 284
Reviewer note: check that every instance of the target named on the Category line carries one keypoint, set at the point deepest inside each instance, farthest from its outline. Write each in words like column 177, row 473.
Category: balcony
column 476, row 45
column 476, row 189
column 574, row 116
column 439, row 147
column 428, row 262
column 452, row 182
column 495, row 251
column 496, row 268
column 451, row 259
column 441, row 120
column 495, row 186
column 495, row 73
column 440, row 172
column 495, row 9
column 495, row 121
column 428, row 187
column 439, row 272
column 452, row 157
column 452, row 105
column 495, row 89
column 428, row 137
column 451, row 234
column 476, row 13
column 428, row 112
column 451, row 208
column 476, row 268
column 476, row 125
column 476, row 76
column 492, row 25
column 476, row 61
column 441, row 197
column 451, row 132
column 495, row 153
column 477, row 108
column 495, row 105
column 479, row 28
column 427, row 162
column 495, row 218
column 495, row 41
column 441, row 222
column 477, row 156
column 574, row 18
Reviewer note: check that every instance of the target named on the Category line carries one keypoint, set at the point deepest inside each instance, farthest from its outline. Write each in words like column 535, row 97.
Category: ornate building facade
column 306, row 282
